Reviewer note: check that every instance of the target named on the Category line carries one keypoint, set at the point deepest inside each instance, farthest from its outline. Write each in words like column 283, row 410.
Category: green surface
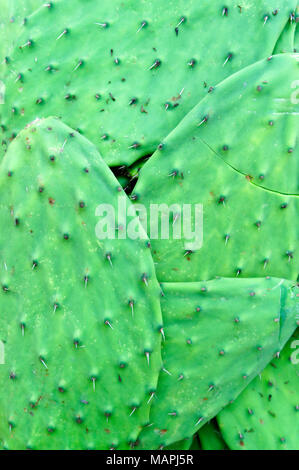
column 126, row 73
column 248, row 230
column 80, row 316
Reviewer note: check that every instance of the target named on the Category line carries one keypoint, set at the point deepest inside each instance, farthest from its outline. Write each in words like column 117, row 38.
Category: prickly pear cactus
column 211, row 438
column 152, row 63
column 80, row 315
column 265, row 415
column 286, row 41
column 13, row 14
column 245, row 216
column 218, row 336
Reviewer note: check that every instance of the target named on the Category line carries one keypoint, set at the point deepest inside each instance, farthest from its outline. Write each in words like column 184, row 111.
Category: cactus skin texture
column 13, row 14
column 253, row 123
column 265, row 415
column 218, row 336
column 185, row 444
column 248, row 230
column 130, row 90
column 82, row 341
column 210, row 437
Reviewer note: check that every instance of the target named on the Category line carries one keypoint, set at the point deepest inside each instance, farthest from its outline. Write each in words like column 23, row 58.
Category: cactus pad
column 80, row 316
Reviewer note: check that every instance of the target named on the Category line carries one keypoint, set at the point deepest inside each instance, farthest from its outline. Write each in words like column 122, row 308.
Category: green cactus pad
column 218, row 336
column 248, row 230
column 211, row 438
column 80, row 315
column 265, row 415
column 13, row 14
column 140, row 68
column 251, row 121
column 185, row 444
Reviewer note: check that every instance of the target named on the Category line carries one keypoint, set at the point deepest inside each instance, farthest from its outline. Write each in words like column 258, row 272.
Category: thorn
column 144, row 23
column 227, row 237
column 225, row 11
column 266, row 261
column 180, row 377
column 182, row 91
column 162, row 333
column 63, row 145
column 27, row 44
column 65, row 31
column 131, row 304
column 103, row 25
column 133, row 411
column 147, row 354
column 156, row 64
column 55, row 307
column 199, row 421
column 85, row 281
column 151, row 397
column 166, row 371
column 93, row 379
column 135, row 145
column 173, row 173
column 34, row 264
column 22, row 328
column 266, row 17
column 78, row 65
column 227, row 59
column 188, row 252
column 145, row 279
column 43, row 362
column 172, row 414
column 132, row 101
column 204, row 119
column 181, row 21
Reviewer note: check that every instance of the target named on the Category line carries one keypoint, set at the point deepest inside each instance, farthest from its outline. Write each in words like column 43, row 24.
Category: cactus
column 80, row 316
column 211, row 438
column 265, row 415
column 296, row 39
column 218, row 336
column 185, row 444
column 130, row 90
column 244, row 222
